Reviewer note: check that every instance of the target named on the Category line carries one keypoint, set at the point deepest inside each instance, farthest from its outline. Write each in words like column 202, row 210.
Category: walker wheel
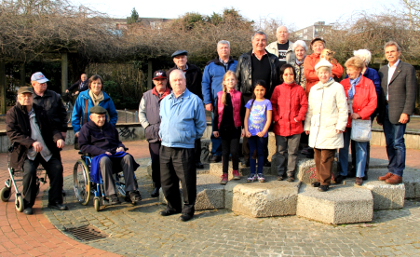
column 19, row 203
column 5, row 194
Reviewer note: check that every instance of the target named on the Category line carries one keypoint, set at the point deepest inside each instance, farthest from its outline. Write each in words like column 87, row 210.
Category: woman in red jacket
column 317, row 45
column 361, row 97
column 289, row 104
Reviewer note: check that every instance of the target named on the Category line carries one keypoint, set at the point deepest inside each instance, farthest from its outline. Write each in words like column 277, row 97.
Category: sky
column 297, row 14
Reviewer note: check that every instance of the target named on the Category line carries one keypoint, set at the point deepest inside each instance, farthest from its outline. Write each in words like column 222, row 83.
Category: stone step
column 339, row 205
column 217, row 169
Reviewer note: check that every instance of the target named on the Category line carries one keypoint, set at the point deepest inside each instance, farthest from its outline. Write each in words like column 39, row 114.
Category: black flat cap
column 179, row 52
column 97, row 109
column 23, row 90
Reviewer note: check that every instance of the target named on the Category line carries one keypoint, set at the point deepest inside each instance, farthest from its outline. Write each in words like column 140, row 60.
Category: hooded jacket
column 290, row 55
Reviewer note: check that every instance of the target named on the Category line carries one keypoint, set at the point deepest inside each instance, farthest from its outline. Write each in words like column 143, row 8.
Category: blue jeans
column 343, row 154
column 361, row 155
column 257, row 144
column 395, row 146
column 216, row 142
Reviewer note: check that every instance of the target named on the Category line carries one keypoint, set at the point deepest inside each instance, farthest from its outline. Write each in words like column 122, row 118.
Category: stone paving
column 140, row 231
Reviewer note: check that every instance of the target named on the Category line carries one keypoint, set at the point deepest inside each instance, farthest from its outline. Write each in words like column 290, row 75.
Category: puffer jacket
column 327, row 112
column 290, row 55
column 244, row 74
column 183, row 120
column 77, row 118
column 193, row 76
column 236, row 98
column 364, row 100
column 213, row 78
column 289, row 109
column 310, row 72
column 18, row 129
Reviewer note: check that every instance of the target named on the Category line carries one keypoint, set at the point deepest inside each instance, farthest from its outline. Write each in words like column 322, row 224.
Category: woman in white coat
column 325, row 122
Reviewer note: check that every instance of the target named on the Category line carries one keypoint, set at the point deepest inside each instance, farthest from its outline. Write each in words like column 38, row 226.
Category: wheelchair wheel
column 81, row 182
column 5, row 193
column 19, row 203
column 96, row 204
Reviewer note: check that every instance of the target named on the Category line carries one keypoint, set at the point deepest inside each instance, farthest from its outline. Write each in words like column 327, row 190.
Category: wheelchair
column 84, row 187
column 17, row 176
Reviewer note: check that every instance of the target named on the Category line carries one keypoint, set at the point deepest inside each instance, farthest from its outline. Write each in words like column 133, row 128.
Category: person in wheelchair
column 36, row 141
column 100, row 139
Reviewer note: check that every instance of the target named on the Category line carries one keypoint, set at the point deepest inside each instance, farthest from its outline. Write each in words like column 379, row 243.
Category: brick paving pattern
column 140, row 231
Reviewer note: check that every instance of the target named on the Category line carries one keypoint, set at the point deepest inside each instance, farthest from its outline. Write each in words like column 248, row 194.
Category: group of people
column 300, row 97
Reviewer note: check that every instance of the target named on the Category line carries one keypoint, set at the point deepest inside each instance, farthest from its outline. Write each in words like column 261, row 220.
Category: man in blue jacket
column 183, row 121
column 212, row 84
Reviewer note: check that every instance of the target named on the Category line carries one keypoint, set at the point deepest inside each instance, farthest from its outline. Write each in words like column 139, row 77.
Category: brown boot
column 387, row 176
column 395, row 179
column 359, row 181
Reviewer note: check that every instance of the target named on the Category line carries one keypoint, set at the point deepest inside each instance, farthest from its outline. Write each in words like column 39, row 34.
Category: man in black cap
column 35, row 140
column 194, row 76
column 150, row 120
column 100, row 139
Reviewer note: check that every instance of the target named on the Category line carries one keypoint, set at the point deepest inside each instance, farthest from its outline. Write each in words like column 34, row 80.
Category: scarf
column 96, row 99
column 353, row 83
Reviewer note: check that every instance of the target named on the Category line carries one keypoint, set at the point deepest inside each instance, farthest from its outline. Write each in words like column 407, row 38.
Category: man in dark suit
column 398, row 101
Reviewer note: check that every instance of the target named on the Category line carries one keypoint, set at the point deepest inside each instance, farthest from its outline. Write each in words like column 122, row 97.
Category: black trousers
column 197, row 150
column 54, row 170
column 154, row 154
column 230, row 146
column 177, row 164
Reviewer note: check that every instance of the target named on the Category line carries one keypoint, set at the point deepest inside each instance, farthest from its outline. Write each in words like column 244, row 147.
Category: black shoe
column 113, row 199
column 58, row 206
column 168, row 212
column 199, row 165
column 185, row 217
column 339, row 179
column 267, row 164
column 315, row 184
column 215, row 158
column 28, row 211
column 280, row 178
column 323, row 188
column 155, row 192
column 134, row 196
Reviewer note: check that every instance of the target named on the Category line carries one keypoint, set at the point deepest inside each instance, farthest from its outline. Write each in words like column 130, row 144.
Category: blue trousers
column 256, row 151
column 395, row 145
column 361, row 155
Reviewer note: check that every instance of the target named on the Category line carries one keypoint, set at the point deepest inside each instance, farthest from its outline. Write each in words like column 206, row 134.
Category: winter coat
column 327, row 112
column 300, row 75
column 290, row 55
column 52, row 104
column 183, row 120
column 244, row 74
column 289, row 104
column 18, row 129
column 97, row 141
column 236, row 98
column 77, row 118
column 193, row 76
column 310, row 72
column 149, row 113
column 213, row 78
column 364, row 100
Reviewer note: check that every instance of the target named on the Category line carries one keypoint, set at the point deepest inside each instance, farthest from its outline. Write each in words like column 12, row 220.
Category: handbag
column 361, row 130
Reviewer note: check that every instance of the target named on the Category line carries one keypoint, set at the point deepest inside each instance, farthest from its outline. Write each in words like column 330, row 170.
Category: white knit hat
column 323, row 63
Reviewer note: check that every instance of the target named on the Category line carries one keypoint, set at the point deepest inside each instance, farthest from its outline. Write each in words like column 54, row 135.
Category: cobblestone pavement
column 140, row 231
